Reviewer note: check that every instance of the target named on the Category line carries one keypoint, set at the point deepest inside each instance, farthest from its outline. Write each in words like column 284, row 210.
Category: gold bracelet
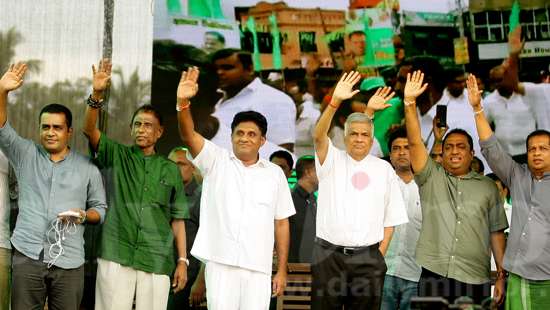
column 478, row 112
column 408, row 103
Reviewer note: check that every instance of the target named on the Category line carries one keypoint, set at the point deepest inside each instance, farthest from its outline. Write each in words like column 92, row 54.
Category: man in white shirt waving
column 245, row 199
column 359, row 203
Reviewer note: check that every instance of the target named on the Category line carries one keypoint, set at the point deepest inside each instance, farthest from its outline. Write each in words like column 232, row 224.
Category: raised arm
column 187, row 89
column 11, row 80
column 344, row 90
column 474, row 97
column 413, row 89
column 439, row 133
column 100, row 82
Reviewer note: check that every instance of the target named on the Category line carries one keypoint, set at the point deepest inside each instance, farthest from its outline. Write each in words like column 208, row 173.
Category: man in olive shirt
column 462, row 215
column 147, row 211
column 528, row 248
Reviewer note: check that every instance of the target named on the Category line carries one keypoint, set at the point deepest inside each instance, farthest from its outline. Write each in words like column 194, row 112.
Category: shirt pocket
column 163, row 193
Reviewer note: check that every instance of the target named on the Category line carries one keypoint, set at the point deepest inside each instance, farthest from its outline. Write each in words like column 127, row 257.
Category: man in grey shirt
column 48, row 253
column 528, row 249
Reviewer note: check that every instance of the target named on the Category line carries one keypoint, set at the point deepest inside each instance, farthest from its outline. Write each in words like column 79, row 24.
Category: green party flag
column 251, row 26
column 368, row 59
column 205, row 8
column 174, row 6
column 514, row 16
column 277, row 57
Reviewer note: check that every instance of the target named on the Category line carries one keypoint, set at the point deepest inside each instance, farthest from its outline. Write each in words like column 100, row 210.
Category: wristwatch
column 183, row 259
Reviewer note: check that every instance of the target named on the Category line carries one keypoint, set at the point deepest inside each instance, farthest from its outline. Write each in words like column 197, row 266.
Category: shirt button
column 459, row 222
column 523, row 234
column 458, row 208
column 460, row 193
column 456, row 239
column 529, row 218
column 145, row 188
column 452, row 257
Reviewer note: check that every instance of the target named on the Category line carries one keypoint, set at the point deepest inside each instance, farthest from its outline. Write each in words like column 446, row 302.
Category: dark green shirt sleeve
column 106, row 150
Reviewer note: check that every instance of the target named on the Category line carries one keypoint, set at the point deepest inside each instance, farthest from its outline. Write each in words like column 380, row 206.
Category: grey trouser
column 32, row 282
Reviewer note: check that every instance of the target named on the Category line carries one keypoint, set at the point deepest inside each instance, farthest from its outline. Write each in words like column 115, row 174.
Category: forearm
column 178, row 229
column 3, row 107
column 282, row 241
column 323, row 125
column 483, row 128
column 498, row 244
column 388, row 232
column 418, row 151
column 187, row 130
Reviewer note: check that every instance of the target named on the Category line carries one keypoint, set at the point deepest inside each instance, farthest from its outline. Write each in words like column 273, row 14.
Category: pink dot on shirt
column 360, row 180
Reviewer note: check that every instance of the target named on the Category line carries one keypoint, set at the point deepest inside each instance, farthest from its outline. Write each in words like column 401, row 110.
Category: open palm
column 13, row 78
column 344, row 88
column 379, row 100
column 102, row 75
column 414, row 86
column 474, row 95
column 188, row 87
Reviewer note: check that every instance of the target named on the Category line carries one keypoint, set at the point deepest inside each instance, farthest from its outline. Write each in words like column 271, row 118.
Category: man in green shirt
column 462, row 215
column 147, row 211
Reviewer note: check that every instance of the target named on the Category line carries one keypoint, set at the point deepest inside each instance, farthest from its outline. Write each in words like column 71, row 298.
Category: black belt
column 346, row 250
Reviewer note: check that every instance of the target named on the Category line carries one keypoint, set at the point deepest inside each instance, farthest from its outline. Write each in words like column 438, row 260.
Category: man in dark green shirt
column 462, row 215
column 147, row 211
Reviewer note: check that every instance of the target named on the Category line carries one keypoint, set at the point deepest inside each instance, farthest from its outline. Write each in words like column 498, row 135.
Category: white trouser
column 117, row 284
column 235, row 288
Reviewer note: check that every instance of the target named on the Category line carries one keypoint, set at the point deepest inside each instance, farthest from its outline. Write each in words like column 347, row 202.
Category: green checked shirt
column 458, row 217
column 145, row 194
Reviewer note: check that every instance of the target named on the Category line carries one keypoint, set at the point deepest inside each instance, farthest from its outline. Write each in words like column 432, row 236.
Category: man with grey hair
column 359, row 204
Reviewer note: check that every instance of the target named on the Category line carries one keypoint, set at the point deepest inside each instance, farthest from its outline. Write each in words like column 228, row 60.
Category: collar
column 302, row 192
column 250, row 88
column 44, row 152
column 470, row 175
column 136, row 150
column 262, row 163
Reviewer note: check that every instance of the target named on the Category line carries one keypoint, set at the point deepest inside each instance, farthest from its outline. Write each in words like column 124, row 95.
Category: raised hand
column 515, row 44
column 474, row 94
column 101, row 75
column 13, row 78
column 414, row 87
column 188, row 87
column 344, row 88
column 379, row 100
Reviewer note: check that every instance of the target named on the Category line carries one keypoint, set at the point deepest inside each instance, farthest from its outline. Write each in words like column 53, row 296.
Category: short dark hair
column 244, row 57
column 361, row 32
column 284, row 155
column 303, row 163
column 495, row 178
column 148, row 108
column 250, row 116
column 432, row 69
column 538, row 132
column 218, row 36
column 453, row 72
column 57, row 108
column 399, row 132
column 460, row 132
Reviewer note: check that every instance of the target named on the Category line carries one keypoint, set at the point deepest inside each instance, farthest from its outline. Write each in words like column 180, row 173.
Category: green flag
column 174, row 6
column 251, row 26
column 514, row 16
column 205, row 8
column 277, row 57
column 368, row 58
